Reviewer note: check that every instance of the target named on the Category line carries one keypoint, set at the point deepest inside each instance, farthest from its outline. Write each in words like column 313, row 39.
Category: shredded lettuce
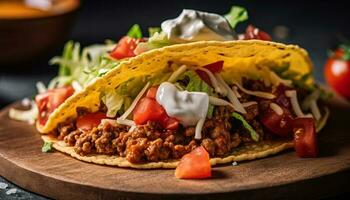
column 196, row 84
column 253, row 134
column 47, row 147
column 113, row 102
column 82, row 65
column 158, row 40
column 237, row 14
column 135, row 31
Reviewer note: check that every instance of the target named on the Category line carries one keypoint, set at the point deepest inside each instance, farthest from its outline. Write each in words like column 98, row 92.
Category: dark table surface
column 317, row 27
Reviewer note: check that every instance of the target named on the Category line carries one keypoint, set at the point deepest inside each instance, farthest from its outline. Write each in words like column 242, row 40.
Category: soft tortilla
column 246, row 152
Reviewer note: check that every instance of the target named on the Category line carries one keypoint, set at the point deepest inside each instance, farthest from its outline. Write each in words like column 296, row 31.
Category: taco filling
column 193, row 107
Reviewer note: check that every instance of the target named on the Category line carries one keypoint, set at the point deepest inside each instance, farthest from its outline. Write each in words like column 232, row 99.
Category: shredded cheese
column 213, row 80
column 276, row 108
column 126, row 122
column 198, row 131
column 132, row 128
column 315, row 110
column 292, row 94
column 233, row 98
column 323, row 120
column 133, row 104
column 222, row 84
column 177, row 73
column 277, row 80
column 235, row 90
column 249, row 103
column 260, row 94
column 219, row 102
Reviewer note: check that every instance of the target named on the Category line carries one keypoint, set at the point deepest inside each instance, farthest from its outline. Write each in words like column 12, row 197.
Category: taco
column 239, row 100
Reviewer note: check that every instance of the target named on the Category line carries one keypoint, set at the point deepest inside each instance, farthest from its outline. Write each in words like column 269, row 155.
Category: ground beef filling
column 150, row 142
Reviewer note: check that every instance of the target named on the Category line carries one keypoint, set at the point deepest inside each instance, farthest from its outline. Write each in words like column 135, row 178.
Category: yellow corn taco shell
column 241, row 59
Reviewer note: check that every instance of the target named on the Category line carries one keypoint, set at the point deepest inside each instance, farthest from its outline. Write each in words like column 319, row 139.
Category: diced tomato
column 194, row 165
column 215, row 67
column 305, row 140
column 279, row 125
column 125, row 48
column 90, row 120
column 47, row 102
column 152, row 92
column 170, row 123
column 281, row 99
column 255, row 33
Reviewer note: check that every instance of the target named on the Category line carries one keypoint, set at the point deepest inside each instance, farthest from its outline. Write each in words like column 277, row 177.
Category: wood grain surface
column 281, row 176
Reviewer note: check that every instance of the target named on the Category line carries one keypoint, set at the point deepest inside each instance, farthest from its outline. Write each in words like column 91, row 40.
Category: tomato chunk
column 194, row 165
column 90, row 120
column 152, row 92
column 215, row 67
column 305, row 140
column 125, row 48
column 279, row 125
column 47, row 102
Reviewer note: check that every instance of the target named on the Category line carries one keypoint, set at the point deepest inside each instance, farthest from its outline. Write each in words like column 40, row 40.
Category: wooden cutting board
column 281, row 176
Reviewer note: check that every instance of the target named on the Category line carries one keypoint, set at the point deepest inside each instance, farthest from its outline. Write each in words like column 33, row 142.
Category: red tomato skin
column 170, row 123
column 47, row 102
column 279, row 125
column 337, row 75
column 215, row 67
column 125, row 48
column 305, row 140
column 148, row 109
column 194, row 165
column 152, row 92
column 90, row 120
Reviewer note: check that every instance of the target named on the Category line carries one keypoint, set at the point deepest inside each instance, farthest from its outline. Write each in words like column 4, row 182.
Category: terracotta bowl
column 25, row 39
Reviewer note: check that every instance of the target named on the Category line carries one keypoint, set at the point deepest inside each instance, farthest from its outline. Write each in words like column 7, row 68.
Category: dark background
column 316, row 26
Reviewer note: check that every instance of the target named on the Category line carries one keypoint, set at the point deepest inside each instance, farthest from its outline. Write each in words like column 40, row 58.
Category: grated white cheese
column 276, row 108
column 292, row 94
column 213, row 80
column 233, row 98
column 219, row 102
column 277, row 80
column 222, row 84
column 133, row 104
column 235, row 90
column 249, row 103
column 315, row 110
column 174, row 76
column 126, row 122
column 198, row 131
column 132, row 128
column 264, row 95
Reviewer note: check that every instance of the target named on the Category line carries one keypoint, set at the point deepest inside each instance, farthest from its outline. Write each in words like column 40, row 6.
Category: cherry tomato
column 337, row 73
column 215, row 67
column 255, row 33
column 279, row 125
column 125, row 48
column 152, row 92
column 194, row 165
column 90, row 120
column 305, row 140
column 47, row 102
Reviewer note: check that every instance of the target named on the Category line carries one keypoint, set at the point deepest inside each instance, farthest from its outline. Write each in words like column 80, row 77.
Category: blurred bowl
column 28, row 33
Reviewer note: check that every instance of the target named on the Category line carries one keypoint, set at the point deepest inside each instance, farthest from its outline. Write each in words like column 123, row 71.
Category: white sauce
column 194, row 25
column 187, row 107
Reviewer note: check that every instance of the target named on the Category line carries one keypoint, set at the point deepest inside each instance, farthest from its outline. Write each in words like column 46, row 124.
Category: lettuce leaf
column 196, row 84
column 47, row 147
column 135, row 31
column 113, row 102
column 253, row 134
column 153, row 30
column 237, row 14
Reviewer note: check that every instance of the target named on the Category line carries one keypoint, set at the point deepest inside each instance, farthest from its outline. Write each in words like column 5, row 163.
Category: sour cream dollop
column 187, row 107
column 193, row 25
